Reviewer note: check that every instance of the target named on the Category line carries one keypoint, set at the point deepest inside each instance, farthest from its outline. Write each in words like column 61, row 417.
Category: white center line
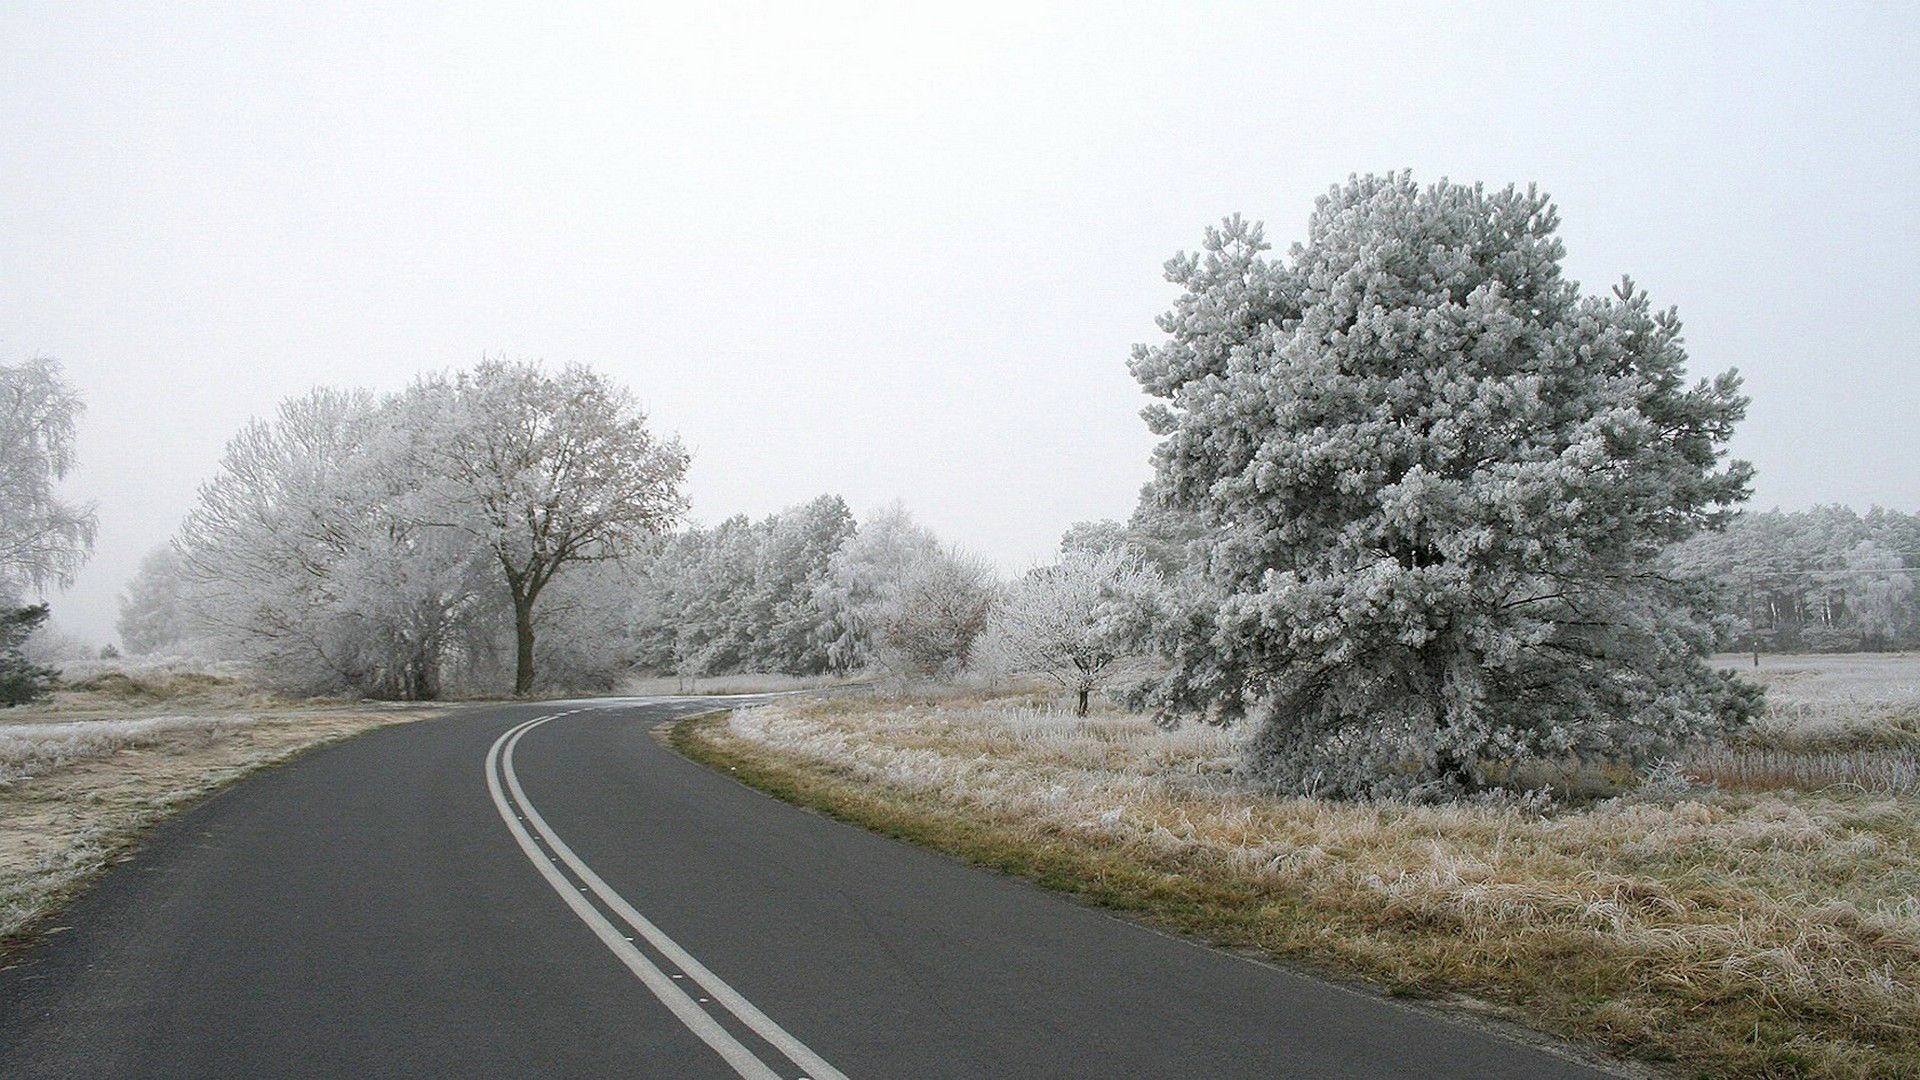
column 699, row 1021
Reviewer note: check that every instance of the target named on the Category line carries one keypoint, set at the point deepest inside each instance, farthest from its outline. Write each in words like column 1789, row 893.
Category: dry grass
column 1729, row 934
column 76, row 793
column 1838, row 722
column 1869, row 771
column 33, row 749
column 109, row 692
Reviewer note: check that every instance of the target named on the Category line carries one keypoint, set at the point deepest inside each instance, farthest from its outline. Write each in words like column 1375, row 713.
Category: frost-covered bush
column 1432, row 480
column 929, row 625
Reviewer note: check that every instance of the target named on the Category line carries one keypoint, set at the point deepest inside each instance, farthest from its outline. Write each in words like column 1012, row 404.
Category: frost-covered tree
column 583, row 627
column 743, row 595
column 693, row 615
column 1153, row 536
column 789, row 585
column 153, row 608
column 310, row 556
column 1878, row 591
column 1094, row 537
column 360, row 543
column 546, row 469
column 263, row 548
column 43, row 538
column 1432, row 479
column 928, row 624
column 863, row 579
column 22, row 679
column 1071, row 622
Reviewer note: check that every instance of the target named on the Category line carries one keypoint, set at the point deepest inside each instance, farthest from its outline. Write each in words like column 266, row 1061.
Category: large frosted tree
column 1429, row 479
column 308, row 556
column 546, row 469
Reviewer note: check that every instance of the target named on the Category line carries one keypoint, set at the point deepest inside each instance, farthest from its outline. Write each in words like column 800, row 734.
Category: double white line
column 519, row 814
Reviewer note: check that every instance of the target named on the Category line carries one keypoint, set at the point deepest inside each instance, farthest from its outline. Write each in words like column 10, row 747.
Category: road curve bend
column 546, row 890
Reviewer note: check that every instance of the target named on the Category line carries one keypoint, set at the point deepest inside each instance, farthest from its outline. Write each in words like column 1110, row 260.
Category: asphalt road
column 479, row 895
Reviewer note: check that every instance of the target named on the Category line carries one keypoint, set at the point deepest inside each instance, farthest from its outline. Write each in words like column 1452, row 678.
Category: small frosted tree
column 1070, row 622
column 1432, row 479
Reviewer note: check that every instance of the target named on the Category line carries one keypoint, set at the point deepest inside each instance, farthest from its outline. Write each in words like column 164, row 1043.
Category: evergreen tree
column 1430, row 480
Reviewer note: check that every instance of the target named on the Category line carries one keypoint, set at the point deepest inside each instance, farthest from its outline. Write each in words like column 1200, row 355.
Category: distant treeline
column 1828, row 579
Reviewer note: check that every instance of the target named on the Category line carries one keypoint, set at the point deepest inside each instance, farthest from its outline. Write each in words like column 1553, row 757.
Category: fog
column 896, row 255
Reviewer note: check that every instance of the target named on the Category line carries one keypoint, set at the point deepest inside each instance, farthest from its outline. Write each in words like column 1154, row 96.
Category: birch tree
column 43, row 538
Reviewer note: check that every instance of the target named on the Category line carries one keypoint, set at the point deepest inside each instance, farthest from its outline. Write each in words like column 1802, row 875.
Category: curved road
column 545, row 890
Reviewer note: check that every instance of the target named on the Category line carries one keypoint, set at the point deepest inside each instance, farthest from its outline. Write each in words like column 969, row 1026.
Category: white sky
column 901, row 251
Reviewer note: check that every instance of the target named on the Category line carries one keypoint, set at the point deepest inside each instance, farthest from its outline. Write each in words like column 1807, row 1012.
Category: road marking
column 499, row 769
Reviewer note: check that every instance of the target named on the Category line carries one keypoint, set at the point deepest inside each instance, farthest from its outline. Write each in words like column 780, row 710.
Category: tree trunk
column 1080, row 709
column 1448, row 765
column 523, row 635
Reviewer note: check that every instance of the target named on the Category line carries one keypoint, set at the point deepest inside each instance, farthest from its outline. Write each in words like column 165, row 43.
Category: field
column 84, row 775
column 1725, row 920
column 1840, row 722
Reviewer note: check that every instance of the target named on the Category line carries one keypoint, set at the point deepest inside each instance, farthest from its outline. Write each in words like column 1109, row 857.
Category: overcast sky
column 900, row 252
